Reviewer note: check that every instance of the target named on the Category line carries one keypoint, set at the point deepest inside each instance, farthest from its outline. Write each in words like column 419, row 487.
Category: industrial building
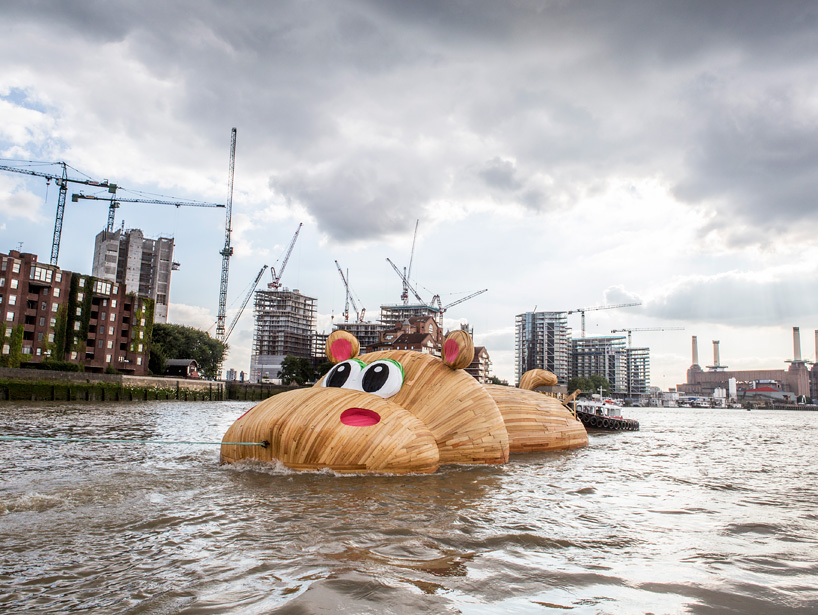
column 285, row 322
column 793, row 381
column 49, row 313
column 542, row 340
column 142, row 265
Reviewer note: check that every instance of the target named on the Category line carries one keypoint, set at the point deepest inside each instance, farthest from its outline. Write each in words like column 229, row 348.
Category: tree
column 295, row 369
column 591, row 384
column 322, row 369
column 496, row 380
column 180, row 342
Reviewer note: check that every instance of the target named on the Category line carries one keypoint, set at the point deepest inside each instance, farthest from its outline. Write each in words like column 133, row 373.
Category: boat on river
column 605, row 414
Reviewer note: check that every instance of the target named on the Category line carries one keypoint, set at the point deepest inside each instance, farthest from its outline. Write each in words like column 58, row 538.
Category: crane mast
column 227, row 251
column 350, row 298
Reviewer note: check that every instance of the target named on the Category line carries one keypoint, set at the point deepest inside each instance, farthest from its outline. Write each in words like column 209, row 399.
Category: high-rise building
column 285, row 322
column 542, row 340
column 142, row 265
column 601, row 356
column 638, row 372
column 50, row 313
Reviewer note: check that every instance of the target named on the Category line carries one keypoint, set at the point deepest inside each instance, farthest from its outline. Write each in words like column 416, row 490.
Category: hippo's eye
column 383, row 378
column 345, row 375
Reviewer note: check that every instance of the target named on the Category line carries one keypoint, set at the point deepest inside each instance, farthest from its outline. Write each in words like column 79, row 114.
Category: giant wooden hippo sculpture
column 400, row 412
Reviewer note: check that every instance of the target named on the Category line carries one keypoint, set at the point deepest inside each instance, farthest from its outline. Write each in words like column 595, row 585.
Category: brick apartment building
column 49, row 313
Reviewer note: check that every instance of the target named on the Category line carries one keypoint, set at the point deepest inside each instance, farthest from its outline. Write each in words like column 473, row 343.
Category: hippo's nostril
column 360, row 417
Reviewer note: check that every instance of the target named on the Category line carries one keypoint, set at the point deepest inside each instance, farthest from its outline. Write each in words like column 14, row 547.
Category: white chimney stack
column 696, row 348
column 796, row 344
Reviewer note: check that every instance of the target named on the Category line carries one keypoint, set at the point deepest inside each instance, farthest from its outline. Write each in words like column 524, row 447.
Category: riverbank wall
column 31, row 385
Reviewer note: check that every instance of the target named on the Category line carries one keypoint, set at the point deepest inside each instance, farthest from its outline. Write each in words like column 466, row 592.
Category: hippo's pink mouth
column 360, row 417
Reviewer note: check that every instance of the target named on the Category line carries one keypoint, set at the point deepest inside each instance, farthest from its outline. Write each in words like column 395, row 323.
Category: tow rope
column 263, row 444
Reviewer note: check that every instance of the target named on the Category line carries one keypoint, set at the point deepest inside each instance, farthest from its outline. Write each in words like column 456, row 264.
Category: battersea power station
column 798, row 380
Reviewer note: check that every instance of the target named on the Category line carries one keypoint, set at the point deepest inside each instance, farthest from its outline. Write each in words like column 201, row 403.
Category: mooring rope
column 112, row 440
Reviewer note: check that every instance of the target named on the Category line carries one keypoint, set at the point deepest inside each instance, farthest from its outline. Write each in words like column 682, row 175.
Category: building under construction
column 285, row 322
column 794, row 381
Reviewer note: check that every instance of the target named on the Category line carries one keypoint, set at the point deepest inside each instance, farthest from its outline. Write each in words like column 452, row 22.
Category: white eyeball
column 383, row 378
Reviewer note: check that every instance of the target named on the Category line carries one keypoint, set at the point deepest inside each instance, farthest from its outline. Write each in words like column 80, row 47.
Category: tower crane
column 244, row 304
column 62, row 181
column 599, row 307
column 276, row 283
column 408, row 274
column 646, row 329
column 349, row 297
column 227, row 251
column 406, row 284
column 435, row 302
column 115, row 201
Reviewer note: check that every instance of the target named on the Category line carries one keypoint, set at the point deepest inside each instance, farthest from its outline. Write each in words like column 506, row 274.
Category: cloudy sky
column 562, row 154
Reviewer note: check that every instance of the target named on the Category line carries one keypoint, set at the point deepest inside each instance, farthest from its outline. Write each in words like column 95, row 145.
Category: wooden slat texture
column 534, row 378
column 537, row 422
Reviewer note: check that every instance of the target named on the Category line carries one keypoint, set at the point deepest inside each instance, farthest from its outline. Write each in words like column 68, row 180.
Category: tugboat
column 603, row 413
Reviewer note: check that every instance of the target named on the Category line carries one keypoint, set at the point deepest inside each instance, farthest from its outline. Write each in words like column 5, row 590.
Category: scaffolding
column 285, row 323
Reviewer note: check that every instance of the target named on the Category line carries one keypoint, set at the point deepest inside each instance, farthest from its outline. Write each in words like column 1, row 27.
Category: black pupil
column 339, row 375
column 375, row 378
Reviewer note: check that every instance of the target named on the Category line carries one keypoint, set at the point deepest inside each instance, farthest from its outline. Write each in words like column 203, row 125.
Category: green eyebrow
column 359, row 362
column 400, row 367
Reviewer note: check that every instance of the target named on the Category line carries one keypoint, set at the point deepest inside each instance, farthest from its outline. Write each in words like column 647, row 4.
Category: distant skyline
column 561, row 154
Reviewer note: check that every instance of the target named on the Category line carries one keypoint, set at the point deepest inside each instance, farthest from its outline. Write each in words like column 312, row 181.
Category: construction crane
column 115, row 201
column 406, row 284
column 435, row 303
column 244, row 304
column 349, row 297
column 62, row 181
column 646, row 329
column 276, row 283
column 599, row 307
column 408, row 274
column 227, row 251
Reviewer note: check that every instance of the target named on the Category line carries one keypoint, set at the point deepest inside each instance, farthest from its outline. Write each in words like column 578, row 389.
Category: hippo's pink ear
column 458, row 349
column 342, row 346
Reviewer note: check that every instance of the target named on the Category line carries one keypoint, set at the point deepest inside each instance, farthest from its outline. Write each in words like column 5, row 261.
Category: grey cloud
column 738, row 300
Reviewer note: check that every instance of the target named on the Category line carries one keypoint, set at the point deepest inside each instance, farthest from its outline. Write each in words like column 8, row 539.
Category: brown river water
column 702, row 511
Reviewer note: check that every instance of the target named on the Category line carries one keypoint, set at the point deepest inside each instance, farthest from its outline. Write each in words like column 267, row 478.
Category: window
column 140, row 348
column 51, row 338
column 110, row 343
column 104, row 302
column 142, row 322
column 39, row 337
column 6, row 347
column 116, row 289
column 112, row 317
column 12, row 299
column 76, row 325
column 42, row 321
column 15, row 268
column 141, row 335
column 3, row 265
column 80, row 296
column 82, row 282
column 79, row 311
column 74, row 355
column 2, row 281
column 58, row 277
column 107, row 358
column 102, row 329
column 39, row 351
column 103, row 316
column 45, row 292
column 14, row 284
column 113, row 303
column 44, row 305
column 56, row 292
column 110, row 330
column 101, row 287
column 41, row 273
column 139, row 360
column 54, row 307
column 100, row 343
